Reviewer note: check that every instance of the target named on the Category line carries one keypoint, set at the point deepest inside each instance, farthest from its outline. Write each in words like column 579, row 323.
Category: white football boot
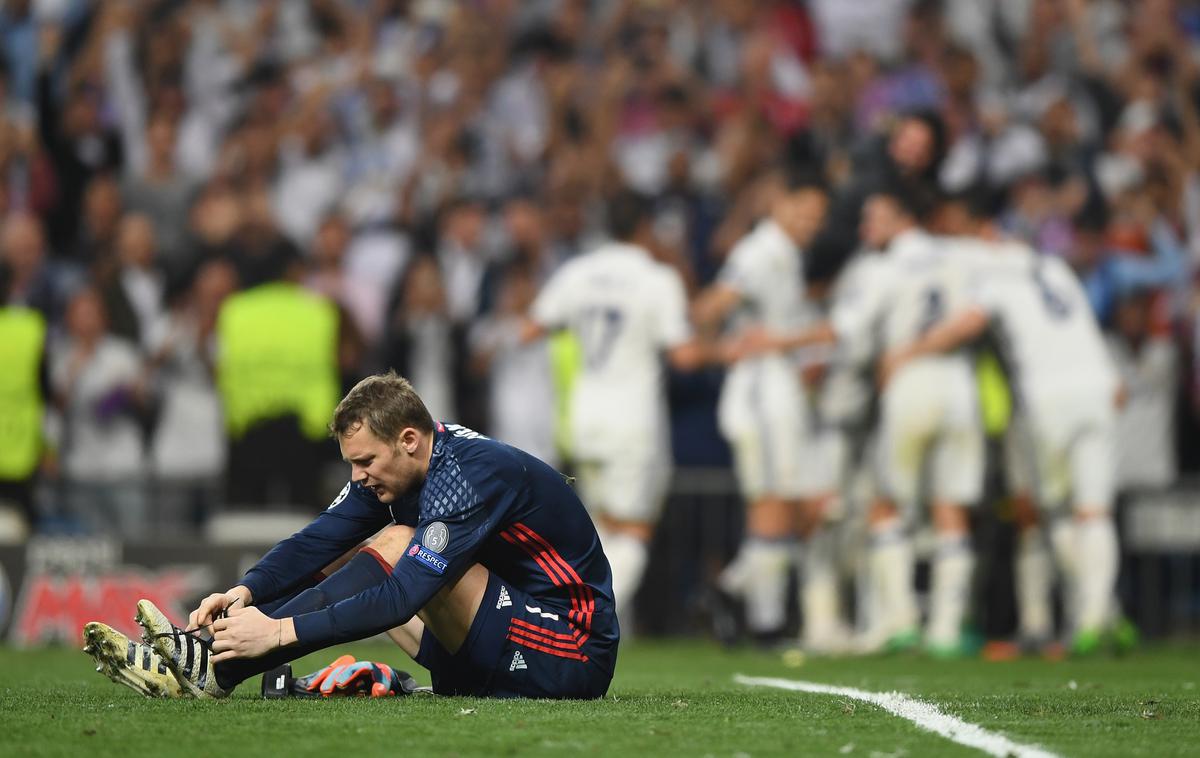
column 186, row 653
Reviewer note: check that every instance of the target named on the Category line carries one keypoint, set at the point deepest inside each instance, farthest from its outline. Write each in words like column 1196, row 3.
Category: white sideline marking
column 925, row 715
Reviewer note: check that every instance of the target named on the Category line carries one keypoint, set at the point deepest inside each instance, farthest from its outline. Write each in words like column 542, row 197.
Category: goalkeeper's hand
column 346, row 676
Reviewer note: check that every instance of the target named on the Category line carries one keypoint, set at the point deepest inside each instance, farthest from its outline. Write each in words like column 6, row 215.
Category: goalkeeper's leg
column 370, row 566
column 188, row 655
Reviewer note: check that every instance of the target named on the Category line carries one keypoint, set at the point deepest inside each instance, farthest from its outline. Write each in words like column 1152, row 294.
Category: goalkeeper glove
column 346, row 676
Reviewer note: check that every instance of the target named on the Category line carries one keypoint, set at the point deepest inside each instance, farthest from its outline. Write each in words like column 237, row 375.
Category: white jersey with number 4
column 625, row 309
column 1063, row 374
column 1044, row 320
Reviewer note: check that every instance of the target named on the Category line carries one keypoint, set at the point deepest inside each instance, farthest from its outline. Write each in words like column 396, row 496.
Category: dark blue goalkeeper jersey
column 481, row 502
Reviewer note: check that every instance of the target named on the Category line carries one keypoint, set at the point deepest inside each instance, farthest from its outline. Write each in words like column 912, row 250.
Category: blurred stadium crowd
column 183, row 180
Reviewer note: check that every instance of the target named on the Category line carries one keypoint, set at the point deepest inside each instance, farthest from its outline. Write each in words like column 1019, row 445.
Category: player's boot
column 187, row 655
column 125, row 661
column 903, row 641
column 946, row 652
column 831, row 641
column 1125, row 636
column 1086, row 643
column 1121, row 638
column 970, row 644
column 723, row 613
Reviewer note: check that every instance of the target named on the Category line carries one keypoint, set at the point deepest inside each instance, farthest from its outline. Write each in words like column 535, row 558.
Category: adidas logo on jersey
column 518, row 662
column 503, row 601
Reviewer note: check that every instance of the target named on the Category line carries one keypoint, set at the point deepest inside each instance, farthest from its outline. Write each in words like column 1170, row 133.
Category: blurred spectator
column 1040, row 213
column 845, row 28
column 24, row 179
column 277, row 375
column 906, row 158
column 215, row 219
column 528, row 246
column 132, row 283
column 188, row 448
column 258, row 250
column 461, row 258
column 75, row 138
column 421, row 343
column 19, row 37
column 384, row 151
column 1109, row 273
column 96, row 241
column 1149, row 365
column 518, row 375
column 328, row 275
column 442, row 172
column 24, row 393
column 162, row 193
column 31, row 279
column 98, row 385
column 310, row 179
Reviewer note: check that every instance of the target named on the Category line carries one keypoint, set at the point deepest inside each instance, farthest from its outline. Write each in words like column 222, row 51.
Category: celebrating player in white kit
column 627, row 311
column 928, row 414
column 1068, row 392
column 764, row 411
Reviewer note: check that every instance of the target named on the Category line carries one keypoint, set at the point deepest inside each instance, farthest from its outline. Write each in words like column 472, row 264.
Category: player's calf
column 390, row 544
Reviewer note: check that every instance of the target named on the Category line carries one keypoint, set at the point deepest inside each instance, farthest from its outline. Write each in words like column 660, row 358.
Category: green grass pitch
column 669, row 698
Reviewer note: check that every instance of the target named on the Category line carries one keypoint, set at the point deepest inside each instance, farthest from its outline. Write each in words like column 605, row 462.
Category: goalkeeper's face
column 388, row 470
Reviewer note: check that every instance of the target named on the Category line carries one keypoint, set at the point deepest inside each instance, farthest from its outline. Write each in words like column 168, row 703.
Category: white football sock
column 950, row 589
column 732, row 579
column 819, row 591
column 765, row 588
column 1062, row 543
column 627, row 556
column 1096, row 543
column 890, row 565
column 1034, row 575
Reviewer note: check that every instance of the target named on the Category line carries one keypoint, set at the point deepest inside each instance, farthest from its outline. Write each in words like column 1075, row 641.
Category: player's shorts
column 515, row 648
column 930, row 424
column 763, row 415
column 626, row 487
column 1062, row 448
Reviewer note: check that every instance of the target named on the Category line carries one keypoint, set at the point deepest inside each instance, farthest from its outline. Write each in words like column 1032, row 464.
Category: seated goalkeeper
column 485, row 568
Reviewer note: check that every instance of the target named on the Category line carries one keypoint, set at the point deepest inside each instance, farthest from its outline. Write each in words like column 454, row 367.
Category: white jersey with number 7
column 625, row 309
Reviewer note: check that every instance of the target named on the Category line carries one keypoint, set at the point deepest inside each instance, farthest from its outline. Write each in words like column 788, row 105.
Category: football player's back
column 1046, row 324
column 625, row 309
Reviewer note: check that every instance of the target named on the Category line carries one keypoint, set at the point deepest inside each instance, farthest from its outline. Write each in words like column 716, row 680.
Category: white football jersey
column 846, row 392
column 1043, row 320
column 930, row 280
column 764, row 268
column 886, row 296
column 625, row 309
column 859, row 302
